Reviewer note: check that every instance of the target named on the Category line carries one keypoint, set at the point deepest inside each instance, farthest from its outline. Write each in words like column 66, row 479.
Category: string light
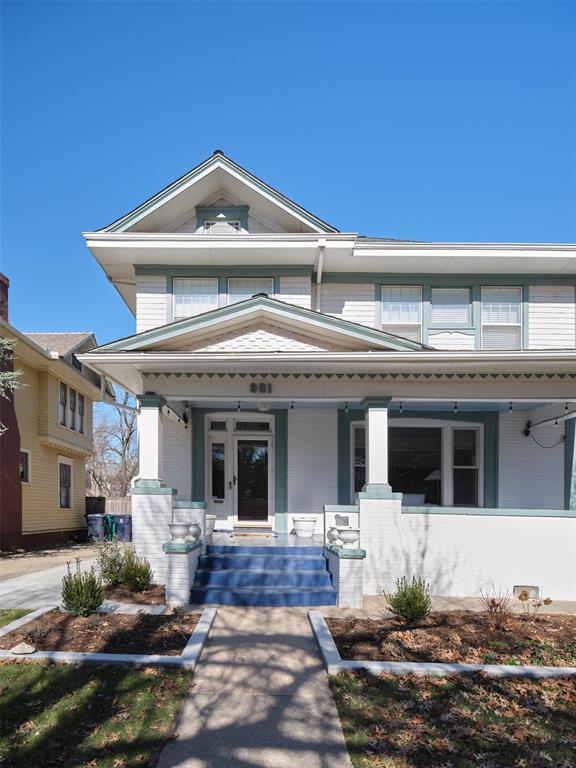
column 455, row 407
column 510, row 408
column 566, row 408
column 292, row 405
column 401, row 407
column 346, row 407
column 238, row 406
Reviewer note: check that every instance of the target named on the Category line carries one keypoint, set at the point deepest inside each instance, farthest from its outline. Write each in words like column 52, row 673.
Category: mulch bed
column 156, row 595
column 459, row 636
column 106, row 633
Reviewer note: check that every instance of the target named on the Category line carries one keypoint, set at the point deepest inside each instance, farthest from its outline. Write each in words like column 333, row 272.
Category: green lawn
column 11, row 614
column 87, row 717
column 457, row 722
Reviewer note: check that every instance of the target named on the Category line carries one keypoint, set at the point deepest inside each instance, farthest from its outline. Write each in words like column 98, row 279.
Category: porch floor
column 232, row 539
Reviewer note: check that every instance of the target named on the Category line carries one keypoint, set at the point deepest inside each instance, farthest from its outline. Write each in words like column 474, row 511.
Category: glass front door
column 251, row 479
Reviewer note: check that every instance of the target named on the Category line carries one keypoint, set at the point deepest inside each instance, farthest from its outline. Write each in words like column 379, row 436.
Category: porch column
column 150, row 437
column 377, row 443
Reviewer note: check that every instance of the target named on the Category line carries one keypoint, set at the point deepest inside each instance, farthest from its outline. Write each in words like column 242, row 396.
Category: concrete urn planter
column 210, row 524
column 332, row 535
column 178, row 531
column 349, row 536
column 195, row 531
column 304, row 526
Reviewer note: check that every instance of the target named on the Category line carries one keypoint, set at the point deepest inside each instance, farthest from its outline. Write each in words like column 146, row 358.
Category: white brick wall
column 180, row 571
column 150, row 517
column 177, row 458
column 151, row 302
column 530, row 477
column 296, row 289
column 464, row 554
column 347, row 579
column 312, row 463
column 551, row 317
column 350, row 301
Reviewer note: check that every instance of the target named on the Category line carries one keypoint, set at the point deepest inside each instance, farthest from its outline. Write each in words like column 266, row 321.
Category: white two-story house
column 283, row 367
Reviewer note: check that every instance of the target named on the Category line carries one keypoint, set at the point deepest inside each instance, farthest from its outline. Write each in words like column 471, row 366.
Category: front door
column 251, row 479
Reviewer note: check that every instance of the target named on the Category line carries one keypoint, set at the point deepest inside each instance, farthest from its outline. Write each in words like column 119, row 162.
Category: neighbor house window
column 430, row 464
column 81, row 412
column 450, row 307
column 402, row 310
column 25, row 466
column 63, row 402
column 241, row 288
column 65, row 484
column 72, row 408
column 501, row 317
column 194, row 295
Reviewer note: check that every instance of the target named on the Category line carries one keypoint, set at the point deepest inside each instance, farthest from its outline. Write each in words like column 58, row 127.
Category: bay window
column 193, row 296
column 402, row 310
column 501, row 317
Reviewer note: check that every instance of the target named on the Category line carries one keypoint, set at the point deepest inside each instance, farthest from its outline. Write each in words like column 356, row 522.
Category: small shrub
column 411, row 601
column 136, row 571
column 37, row 633
column 109, row 561
column 531, row 605
column 497, row 608
column 81, row 591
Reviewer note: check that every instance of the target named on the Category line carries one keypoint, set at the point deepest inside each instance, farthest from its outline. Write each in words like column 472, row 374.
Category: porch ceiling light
column 263, row 406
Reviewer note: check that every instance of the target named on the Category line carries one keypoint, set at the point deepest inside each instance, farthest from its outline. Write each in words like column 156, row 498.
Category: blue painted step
column 226, row 549
column 267, row 596
column 266, row 562
column 234, row 577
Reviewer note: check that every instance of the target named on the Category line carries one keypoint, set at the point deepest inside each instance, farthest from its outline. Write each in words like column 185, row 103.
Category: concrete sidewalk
column 21, row 563
column 260, row 698
column 36, row 590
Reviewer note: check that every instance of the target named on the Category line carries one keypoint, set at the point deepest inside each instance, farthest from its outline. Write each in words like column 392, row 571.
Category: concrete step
column 258, row 549
column 258, row 596
column 235, row 577
column 264, row 562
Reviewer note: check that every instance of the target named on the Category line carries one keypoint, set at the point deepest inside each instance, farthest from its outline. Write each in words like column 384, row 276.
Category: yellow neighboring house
column 46, row 503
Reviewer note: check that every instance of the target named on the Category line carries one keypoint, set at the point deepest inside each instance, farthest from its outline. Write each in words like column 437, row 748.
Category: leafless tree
column 114, row 461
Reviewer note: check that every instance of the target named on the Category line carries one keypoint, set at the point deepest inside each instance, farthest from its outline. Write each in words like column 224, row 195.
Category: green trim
column 445, row 280
column 375, row 402
column 337, row 508
column 299, row 270
column 179, row 327
column 482, row 512
column 151, row 400
column 570, row 464
column 377, row 491
column 345, row 554
column 140, row 483
column 189, row 505
column 489, row 419
column 139, row 491
column 280, row 458
column 230, row 212
column 180, row 547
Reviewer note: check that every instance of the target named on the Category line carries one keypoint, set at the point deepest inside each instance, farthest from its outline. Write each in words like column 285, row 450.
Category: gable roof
column 217, row 162
column 63, row 343
column 305, row 322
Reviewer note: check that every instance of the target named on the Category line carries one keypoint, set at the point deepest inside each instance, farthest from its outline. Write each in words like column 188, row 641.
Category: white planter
column 178, row 531
column 195, row 531
column 332, row 535
column 304, row 526
column 210, row 524
column 349, row 536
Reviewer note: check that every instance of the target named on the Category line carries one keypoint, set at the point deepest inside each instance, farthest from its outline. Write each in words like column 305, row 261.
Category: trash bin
column 95, row 527
column 123, row 527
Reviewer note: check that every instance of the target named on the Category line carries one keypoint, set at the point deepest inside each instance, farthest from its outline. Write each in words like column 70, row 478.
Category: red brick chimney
column 4, row 283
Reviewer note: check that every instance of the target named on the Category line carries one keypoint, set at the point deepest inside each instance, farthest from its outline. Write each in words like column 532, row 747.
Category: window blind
column 450, row 307
column 241, row 288
column 194, row 295
column 501, row 317
column 402, row 310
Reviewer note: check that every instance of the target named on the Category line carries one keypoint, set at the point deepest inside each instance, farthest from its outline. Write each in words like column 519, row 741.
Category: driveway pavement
column 20, row 563
column 260, row 698
column 36, row 590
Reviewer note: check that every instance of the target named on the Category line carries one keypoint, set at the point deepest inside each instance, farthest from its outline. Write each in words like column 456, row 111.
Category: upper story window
column 501, row 317
column 71, row 409
column 450, row 307
column 194, row 295
column 222, row 219
column 402, row 310
column 222, row 226
column 241, row 288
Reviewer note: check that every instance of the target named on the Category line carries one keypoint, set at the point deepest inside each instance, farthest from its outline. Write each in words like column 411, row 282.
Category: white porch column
column 377, row 443
column 150, row 437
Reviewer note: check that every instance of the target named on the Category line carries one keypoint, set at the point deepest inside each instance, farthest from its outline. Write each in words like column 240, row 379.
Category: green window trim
column 224, row 213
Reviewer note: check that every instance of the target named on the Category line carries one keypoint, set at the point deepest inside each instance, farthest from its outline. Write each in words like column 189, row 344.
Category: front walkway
column 260, row 698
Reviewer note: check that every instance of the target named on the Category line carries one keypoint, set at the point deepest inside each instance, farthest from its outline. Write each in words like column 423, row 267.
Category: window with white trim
column 72, row 408
column 450, row 307
column 242, row 288
column 430, row 461
column 501, row 317
column 402, row 310
column 64, row 483
column 223, row 227
column 62, row 404
column 25, row 466
column 194, row 295
column 80, row 415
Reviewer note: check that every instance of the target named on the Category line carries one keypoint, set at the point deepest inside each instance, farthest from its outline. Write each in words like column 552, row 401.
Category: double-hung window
column 501, row 317
column 242, row 288
column 72, row 408
column 450, row 307
column 81, row 411
column 65, row 484
column 62, row 404
column 194, row 295
column 402, row 310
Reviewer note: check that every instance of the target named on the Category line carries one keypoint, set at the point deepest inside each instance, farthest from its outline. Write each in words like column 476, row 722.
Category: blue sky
column 420, row 120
